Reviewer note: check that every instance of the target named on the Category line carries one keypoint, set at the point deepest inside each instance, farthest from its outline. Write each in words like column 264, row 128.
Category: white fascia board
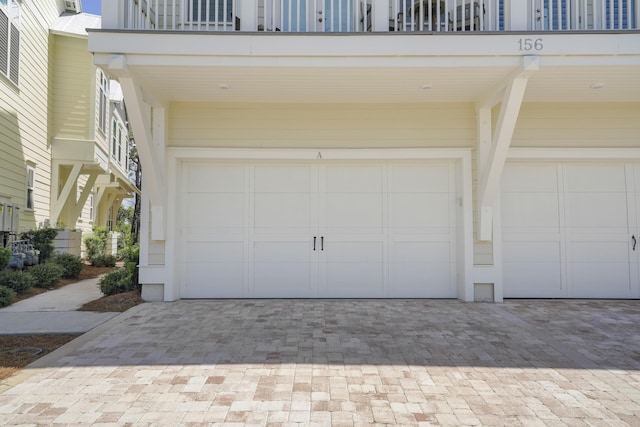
column 384, row 45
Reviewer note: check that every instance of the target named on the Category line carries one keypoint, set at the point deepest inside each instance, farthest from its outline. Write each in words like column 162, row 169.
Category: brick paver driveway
column 346, row 362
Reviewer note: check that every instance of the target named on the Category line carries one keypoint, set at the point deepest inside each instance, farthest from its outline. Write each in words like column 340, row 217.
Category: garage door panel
column 530, row 210
column 420, row 210
column 532, row 280
column 221, row 252
column 420, row 179
column 203, row 178
column 354, row 211
column 421, row 252
column 592, row 178
column 282, row 210
column 599, row 280
column 350, row 252
column 596, row 210
column 214, row 280
column 353, row 179
column 221, row 209
column 354, row 280
column 282, row 179
column 211, row 234
column 598, row 252
column 421, row 280
column 523, row 252
column 282, row 280
column 283, row 251
column 518, row 178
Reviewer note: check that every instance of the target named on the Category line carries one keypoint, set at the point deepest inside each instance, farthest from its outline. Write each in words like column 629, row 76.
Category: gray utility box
column 9, row 217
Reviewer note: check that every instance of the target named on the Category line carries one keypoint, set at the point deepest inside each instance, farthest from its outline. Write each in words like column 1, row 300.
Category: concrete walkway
column 343, row 363
column 54, row 312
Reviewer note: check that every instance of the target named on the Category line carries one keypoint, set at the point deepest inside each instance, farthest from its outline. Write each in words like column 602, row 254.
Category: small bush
column 46, row 275
column 96, row 244
column 42, row 240
column 103, row 261
column 7, row 296
column 18, row 281
column 116, row 282
column 5, row 256
column 71, row 264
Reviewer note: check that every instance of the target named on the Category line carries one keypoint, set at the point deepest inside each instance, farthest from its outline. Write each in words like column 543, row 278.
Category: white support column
column 112, row 16
column 483, row 152
column 247, row 12
column 148, row 150
column 518, row 16
column 492, row 165
column 380, row 11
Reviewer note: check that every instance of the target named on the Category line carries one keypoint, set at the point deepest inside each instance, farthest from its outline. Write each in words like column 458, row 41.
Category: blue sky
column 92, row 6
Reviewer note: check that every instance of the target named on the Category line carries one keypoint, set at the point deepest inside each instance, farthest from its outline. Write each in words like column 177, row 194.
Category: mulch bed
column 16, row 352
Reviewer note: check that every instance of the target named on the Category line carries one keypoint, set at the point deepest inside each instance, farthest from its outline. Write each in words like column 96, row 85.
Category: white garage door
column 568, row 230
column 318, row 229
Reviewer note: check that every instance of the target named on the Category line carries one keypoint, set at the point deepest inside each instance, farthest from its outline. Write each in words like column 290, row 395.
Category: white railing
column 372, row 15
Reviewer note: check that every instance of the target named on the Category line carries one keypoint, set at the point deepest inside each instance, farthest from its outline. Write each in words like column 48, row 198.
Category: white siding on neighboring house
column 72, row 112
column 23, row 115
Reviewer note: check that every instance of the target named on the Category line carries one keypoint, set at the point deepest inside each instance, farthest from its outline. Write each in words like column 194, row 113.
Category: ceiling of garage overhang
column 383, row 85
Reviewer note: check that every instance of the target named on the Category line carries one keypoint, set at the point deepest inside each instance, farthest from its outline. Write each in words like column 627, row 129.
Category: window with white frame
column 92, row 207
column 119, row 142
column 10, row 39
column 103, row 100
column 29, row 202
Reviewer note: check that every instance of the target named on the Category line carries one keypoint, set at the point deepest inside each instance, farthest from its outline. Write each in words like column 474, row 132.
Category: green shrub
column 5, row 257
column 116, row 282
column 103, row 261
column 46, row 275
column 18, row 281
column 7, row 296
column 42, row 240
column 97, row 243
column 71, row 264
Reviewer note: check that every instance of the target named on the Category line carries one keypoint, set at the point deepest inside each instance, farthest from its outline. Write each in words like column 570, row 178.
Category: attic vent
column 72, row 6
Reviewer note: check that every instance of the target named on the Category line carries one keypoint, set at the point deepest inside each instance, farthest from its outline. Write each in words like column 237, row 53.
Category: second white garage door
column 570, row 230
column 316, row 229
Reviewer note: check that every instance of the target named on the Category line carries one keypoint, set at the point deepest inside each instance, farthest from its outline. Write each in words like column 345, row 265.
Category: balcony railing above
column 347, row 16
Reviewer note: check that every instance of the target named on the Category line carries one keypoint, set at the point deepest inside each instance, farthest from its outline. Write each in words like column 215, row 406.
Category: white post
column 380, row 11
column 112, row 16
column 247, row 12
column 518, row 16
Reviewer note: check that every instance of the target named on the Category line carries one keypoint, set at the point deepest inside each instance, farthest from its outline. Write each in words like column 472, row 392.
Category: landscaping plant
column 117, row 281
column 6, row 296
column 18, row 281
column 71, row 264
column 5, row 256
column 42, row 240
column 103, row 261
column 96, row 244
column 46, row 275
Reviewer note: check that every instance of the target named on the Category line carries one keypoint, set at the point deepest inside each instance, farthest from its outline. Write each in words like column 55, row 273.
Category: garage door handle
column 314, row 243
column 634, row 241
column 322, row 243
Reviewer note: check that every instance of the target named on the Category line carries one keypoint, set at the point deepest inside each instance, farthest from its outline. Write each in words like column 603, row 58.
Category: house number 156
column 526, row 45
